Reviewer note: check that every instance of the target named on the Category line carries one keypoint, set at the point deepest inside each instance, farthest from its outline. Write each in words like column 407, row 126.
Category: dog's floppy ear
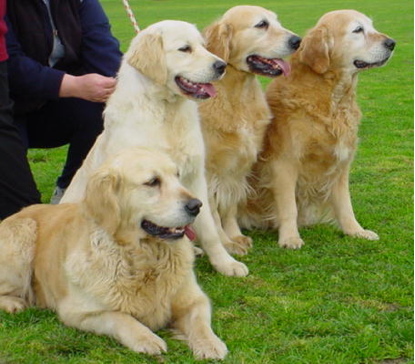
column 315, row 50
column 146, row 54
column 218, row 39
column 100, row 200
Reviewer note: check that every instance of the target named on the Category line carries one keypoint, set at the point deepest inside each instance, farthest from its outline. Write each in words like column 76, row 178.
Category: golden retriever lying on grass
column 252, row 41
column 302, row 176
column 117, row 263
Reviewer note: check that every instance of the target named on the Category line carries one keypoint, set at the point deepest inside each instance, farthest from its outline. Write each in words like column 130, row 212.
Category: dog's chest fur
column 172, row 126
column 140, row 279
column 184, row 138
column 319, row 132
column 323, row 145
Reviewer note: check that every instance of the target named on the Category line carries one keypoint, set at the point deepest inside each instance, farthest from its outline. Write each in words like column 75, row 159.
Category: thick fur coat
column 98, row 265
column 165, row 69
column 252, row 41
column 302, row 176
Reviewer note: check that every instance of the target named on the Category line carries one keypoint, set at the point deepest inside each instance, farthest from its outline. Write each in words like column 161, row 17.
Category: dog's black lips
column 161, row 232
column 270, row 67
column 196, row 90
column 361, row 64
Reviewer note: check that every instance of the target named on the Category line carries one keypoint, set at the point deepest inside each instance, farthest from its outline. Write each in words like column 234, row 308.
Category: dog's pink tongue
column 210, row 89
column 285, row 66
column 190, row 233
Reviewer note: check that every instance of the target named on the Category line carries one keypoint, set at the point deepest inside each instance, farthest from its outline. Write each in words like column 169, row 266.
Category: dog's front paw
column 244, row 243
column 244, row 240
column 198, row 252
column 150, row 344
column 232, row 268
column 212, row 348
column 12, row 304
column 291, row 243
column 238, row 245
column 366, row 234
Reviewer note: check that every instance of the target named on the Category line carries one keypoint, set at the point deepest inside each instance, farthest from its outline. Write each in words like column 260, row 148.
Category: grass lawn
column 338, row 300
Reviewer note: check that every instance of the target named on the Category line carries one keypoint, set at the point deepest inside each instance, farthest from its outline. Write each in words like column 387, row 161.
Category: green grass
column 336, row 301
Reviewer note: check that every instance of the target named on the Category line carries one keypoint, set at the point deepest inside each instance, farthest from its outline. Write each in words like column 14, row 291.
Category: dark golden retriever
column 302, row 176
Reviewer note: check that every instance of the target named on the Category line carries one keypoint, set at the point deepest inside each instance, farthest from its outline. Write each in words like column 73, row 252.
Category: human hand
column 92, row 87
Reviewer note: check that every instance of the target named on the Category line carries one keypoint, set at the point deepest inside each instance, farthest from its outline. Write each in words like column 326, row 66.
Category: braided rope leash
column 131, row 15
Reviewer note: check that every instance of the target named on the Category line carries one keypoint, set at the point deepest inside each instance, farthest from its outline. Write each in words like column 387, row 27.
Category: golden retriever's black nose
column 389, row 43
column 193, row 206
column 219, row 67
column 294, row 42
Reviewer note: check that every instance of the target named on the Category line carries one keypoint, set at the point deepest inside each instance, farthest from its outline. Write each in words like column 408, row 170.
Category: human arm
column 28, row 78
column 31, row 77
column 100, row 49
column 100, row 54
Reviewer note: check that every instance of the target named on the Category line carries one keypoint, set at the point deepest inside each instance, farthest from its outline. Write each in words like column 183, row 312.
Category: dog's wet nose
column 219, row 67
column 193, row 206
column 294, row 42
column 390, row 44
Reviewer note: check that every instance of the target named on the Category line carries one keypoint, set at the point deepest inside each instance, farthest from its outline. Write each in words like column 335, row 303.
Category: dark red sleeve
column 3, row 30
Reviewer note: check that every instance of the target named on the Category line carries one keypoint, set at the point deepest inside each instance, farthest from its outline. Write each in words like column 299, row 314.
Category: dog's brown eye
column 262, row 24
column 359, row 29
column 186, row 49
column 154, row 182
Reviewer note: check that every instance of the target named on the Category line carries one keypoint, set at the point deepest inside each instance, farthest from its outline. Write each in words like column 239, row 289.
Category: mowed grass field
column 338, row 300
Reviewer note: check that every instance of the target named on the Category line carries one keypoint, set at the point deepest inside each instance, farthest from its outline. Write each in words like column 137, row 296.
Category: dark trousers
column 17, row 187
column 63, row 121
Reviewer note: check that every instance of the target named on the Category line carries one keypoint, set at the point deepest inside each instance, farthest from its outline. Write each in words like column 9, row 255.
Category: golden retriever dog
column 118, row 263
column 302, row 176
column 253, row 42
column 165, row 69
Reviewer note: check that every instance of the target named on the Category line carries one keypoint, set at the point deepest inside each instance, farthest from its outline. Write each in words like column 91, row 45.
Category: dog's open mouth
column 270, row 67
column 168, row 233
column 196, row 90
column 364, row 65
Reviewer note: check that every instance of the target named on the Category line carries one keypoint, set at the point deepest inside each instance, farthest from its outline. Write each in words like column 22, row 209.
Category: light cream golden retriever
column 117, row 263
column 303, row 173
column 253, row 42
column 165, row 69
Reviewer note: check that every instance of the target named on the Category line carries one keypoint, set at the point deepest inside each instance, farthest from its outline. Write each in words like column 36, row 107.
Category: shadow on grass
column 395, row 361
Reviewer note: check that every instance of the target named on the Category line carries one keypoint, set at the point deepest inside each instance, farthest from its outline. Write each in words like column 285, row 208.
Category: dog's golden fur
column 149, row 108
column 302, row 176
column 234, row 122
column 95, row 265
